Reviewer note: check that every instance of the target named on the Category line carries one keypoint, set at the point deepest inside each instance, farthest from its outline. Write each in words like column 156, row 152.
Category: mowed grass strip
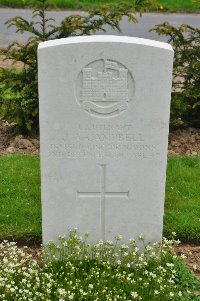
column 182, row 205
column 165, row 5
column 20, row 203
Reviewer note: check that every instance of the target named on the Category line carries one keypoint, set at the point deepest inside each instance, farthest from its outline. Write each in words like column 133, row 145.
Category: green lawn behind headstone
column 166, row 5
column 20, row 201
column 182, row 205
column 20, row 205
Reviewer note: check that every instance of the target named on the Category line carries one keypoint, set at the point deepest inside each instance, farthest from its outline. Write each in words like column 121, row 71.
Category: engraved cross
column 103, row 194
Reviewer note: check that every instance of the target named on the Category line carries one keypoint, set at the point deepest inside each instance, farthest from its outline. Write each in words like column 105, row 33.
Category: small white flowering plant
column 77, row 270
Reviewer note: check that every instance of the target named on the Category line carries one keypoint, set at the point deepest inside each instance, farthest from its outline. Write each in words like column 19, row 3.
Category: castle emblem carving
column 105, row 88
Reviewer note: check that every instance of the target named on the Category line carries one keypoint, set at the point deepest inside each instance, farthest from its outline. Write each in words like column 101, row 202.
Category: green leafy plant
column 185, row 108
column 19, row 92
column 75, row 269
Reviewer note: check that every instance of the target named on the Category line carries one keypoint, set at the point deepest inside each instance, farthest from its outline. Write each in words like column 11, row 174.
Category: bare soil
column 191, row 254
column 184, row 142
column 16, row 144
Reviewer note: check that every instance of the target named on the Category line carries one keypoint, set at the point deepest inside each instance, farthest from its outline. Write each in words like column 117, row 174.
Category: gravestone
column 104, row 120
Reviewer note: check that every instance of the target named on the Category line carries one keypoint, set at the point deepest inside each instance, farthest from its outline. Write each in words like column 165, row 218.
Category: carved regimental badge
column 104, row 88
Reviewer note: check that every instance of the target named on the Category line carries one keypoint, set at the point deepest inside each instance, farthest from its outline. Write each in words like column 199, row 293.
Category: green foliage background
column 185, row 106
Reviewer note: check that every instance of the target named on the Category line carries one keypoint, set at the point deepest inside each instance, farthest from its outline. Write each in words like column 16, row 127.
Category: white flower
column 183, row 256
column 118, row 237
column 61, row 291
column 171, row 295
column 134, row 294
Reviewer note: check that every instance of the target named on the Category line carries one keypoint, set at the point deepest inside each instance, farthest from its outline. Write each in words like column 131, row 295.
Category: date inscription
column 103, row 141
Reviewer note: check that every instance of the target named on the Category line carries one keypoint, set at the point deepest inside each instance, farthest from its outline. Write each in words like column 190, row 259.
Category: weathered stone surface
column 104, row 113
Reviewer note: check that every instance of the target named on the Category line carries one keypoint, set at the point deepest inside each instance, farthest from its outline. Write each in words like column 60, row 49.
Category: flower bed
column 77, row 270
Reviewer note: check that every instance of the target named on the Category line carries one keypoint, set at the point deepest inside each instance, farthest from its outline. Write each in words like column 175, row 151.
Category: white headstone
column 104, row 119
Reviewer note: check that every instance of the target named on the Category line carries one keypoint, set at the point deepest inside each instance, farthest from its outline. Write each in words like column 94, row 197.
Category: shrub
column 19, row 92
column 77, row 270
column 185, row 107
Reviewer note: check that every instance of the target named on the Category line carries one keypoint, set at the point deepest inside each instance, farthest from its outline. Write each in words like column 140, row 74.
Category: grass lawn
column 166, row 5
column 20, row 205
column 182, row 206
